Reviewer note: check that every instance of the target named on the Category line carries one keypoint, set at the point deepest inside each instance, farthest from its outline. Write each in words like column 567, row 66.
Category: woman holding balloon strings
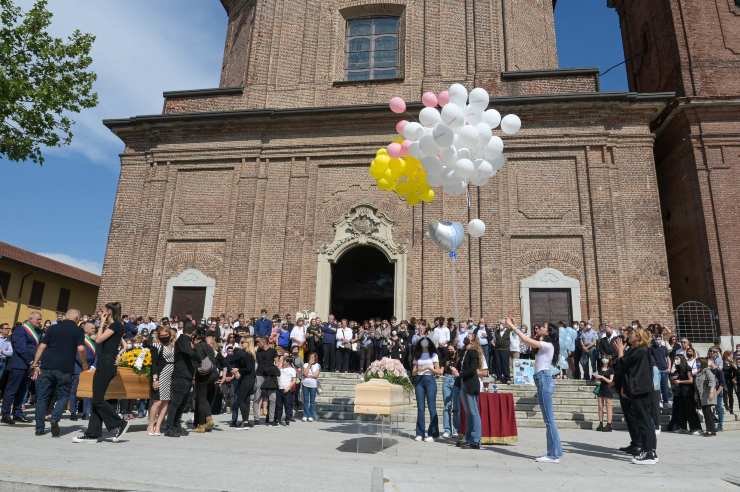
column 547, row 343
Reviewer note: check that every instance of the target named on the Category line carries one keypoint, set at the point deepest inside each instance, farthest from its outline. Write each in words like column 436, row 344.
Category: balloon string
column 453, row 257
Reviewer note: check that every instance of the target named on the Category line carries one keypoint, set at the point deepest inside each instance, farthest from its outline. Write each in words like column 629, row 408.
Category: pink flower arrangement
column 391, row 370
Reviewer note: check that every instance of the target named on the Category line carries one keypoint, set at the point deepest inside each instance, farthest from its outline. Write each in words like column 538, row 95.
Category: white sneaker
column 446, row 435
column 454, row 434
column 696, row 433
column 547, row 459
column 657, row 431
column 304, row 419
column 418, row 438
column 310, row 419
column 429, row 439
column 83, row 438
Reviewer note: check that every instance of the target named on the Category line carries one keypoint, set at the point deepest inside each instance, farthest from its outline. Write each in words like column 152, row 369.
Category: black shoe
column 608, row 428
column 119, row 432
column 183, row 432
column 625, row 449
column 233, row 424
column 645, row 458
column 633, row 450
column 250, row 424
column 274, row 424
column 73, row 418
column 172, row 433
column 600, row 428
column 7, row 420
column 40, row 432
column 474, row 445
column 22, row 418
column 55, row 431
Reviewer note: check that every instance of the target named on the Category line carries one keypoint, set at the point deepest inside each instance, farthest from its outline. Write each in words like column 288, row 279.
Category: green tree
column 43, row 80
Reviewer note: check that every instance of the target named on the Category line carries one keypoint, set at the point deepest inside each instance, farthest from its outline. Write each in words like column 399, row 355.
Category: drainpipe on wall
column 20, row 295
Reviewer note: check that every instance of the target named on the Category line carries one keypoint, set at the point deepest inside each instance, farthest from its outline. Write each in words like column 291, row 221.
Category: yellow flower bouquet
column 138, row 359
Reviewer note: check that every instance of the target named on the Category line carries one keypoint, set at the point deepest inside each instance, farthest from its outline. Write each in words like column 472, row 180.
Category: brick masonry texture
column 693, row 48
column 249, row 198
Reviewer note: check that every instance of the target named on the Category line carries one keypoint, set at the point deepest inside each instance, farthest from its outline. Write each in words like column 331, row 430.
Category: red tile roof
column 44, row 263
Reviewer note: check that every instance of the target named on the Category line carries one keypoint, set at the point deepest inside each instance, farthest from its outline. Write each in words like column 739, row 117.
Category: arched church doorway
column 362, row 282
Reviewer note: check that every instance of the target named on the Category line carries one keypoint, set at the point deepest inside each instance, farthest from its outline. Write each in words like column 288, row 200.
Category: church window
column 372, row 48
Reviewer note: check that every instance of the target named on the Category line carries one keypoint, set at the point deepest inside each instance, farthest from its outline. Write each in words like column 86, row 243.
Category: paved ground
column 322, row 457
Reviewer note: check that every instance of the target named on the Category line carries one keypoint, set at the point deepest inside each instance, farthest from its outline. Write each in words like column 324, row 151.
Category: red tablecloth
column 497, row 416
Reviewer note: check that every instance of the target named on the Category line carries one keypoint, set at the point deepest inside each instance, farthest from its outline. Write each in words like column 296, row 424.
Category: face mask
column 634, row 326
column 164, row 340
column 605, row 361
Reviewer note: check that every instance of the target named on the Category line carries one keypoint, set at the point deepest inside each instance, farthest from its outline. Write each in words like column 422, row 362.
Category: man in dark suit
column 25, row 340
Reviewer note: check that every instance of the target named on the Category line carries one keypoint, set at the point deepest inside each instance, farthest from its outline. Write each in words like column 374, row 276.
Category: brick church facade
column 257, row 194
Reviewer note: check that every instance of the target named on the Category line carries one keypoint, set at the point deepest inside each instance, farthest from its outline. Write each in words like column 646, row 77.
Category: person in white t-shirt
column 441, row 334
column 298, row 336
column 547, row 343
column 344, row 346
column 425, row 371
column 285, row 394
column 311, row 372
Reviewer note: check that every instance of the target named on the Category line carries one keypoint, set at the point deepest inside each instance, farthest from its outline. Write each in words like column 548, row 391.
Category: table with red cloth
column 497, row 418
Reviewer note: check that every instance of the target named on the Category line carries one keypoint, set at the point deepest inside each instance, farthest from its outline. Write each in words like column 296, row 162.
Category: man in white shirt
column 462, row 332
column 344, row 346
column 441, row 334
column 298, row 336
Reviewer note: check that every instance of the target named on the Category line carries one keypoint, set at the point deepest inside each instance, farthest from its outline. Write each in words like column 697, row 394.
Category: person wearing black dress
column 241, row 364
column 186, row 360
column 108, row 342
column 203, row 382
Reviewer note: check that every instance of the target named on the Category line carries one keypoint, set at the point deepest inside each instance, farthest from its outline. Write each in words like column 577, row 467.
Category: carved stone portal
column 365, row 226
column 550, row 278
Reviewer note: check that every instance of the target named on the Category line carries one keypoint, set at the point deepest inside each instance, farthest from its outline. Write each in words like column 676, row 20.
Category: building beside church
column 257, row 194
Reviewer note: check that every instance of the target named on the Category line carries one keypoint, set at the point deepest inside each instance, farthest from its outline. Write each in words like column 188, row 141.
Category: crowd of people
column 266, row 369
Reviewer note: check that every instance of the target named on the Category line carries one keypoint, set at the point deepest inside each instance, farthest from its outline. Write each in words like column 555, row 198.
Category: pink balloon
column 405, row 147
column 398, row 105
column 400, row 126
column 429, row 99
column 443, row 98
column 395, row 149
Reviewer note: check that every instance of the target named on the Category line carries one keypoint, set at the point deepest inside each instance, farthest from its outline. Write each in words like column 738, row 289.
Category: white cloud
column 142, row 48
column 87, row 265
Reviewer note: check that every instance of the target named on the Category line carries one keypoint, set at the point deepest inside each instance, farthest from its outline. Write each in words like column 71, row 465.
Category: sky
column 144, row 47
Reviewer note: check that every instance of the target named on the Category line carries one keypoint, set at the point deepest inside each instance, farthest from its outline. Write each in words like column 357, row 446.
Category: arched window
column 372, row 48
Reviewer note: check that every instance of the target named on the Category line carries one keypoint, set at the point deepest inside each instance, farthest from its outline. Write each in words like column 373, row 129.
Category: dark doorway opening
column 362, row 285
column 188, row 300
column 552, row 305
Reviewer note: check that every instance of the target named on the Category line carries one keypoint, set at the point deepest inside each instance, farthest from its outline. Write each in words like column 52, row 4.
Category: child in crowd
column 605, row 376
column 286, row 385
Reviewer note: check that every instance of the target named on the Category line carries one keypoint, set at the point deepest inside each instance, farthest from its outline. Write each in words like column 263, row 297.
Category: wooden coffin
column 126, row 385
column 379, row 397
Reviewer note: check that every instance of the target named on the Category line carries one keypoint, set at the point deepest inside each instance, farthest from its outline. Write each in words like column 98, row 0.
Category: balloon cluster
column 404, row 175
column 456, row 144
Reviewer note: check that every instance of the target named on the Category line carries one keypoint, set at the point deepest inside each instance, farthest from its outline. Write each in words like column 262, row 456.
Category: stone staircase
column 574, row 404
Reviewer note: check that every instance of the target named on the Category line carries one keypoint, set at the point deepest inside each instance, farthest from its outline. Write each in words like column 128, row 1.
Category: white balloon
column 458, row 94
column 455, row 188
column 468, row 136
column 485, row 169
column 448, row 155
column 476, row 228
column 495, row 145
column 429, row 117
column 452, row 116
column 479, row 99
column 473, row 115
column 432, row 164
column 413, row 131
column 465, row 168
column 415, row 150
column 427, row 145
column 511, row 124
column 443, row 135
column 464, row 154
column 434, row 180
column 478, row 180
column 484, row 134
column 492, row 118
column 498, row 162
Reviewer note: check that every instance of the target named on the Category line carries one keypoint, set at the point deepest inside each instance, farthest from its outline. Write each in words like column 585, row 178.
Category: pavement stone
column 322, row 456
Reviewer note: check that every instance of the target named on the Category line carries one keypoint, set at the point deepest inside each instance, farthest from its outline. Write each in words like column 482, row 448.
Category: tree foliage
column 43, row 80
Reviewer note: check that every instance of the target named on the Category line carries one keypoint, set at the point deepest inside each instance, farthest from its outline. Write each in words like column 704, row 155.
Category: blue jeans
column 426, row 393
column 472, row 418
column 309, row 402
column 448, row 387
column 49, row 383
column 665, row 387
column 545, row 389
column 720, row 412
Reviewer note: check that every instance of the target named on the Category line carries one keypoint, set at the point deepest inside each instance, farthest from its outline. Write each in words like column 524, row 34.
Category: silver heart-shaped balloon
column 448, row 235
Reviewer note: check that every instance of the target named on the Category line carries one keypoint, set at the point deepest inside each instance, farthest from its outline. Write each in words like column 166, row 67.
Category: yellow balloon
column 383, row 160
column 384, row 184
column 382, row 151
column 428, row 195
column 398, row 139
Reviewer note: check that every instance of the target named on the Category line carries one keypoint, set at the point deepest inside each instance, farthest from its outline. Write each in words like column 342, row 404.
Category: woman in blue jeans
column 547, row 343
column 471, row 363
column 310, row 384
column 425, row 371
